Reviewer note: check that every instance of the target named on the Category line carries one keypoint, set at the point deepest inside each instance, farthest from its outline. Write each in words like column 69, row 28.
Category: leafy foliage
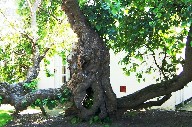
column 75, row 120
column 64, row 96
column 132, row 113
column 1, row 99
column 144, row 30
column 48, row 28
column 95, row 119
column 32, row 85
column 5, row 117
column 106, row 122
column 52, row 31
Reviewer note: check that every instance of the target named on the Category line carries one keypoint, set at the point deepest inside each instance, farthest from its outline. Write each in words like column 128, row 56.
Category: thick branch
column 188, row 55
column 34, row 70
column 15, row 95
column 152, row 91
column 154, row 103
column 24, row 101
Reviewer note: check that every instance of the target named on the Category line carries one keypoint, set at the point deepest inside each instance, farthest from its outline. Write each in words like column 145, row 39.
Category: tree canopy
column 45, row 26
column 144, row 30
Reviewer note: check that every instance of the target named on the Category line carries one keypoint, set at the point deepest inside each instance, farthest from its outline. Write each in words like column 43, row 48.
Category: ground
column 150, row 118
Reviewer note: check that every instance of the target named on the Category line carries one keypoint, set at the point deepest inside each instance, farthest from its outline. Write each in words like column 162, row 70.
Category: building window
column 64, row 74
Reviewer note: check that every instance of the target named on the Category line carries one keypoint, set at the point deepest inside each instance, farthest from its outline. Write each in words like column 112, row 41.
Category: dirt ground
column 150, row 118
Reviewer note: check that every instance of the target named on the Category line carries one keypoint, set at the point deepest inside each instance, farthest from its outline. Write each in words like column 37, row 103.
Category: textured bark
column 15, row 95
column 89, row 66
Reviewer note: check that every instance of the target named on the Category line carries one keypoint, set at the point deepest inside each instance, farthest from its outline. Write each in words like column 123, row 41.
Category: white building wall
column 57, row 71
column 44, row 81
column 184, row 94
column 187, row 91
column 55, row 68
column 117, row 79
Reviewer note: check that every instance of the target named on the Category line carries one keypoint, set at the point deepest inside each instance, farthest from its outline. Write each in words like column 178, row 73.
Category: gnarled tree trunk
column 89, row 66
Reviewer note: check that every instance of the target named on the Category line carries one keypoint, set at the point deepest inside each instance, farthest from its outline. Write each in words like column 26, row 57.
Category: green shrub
column 5, row 117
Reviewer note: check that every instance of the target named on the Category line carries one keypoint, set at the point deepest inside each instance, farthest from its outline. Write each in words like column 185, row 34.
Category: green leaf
column 91, row 121
column 143, row 79
column 74, row 120
column 1, row 99
column 128, row 73
column 139, row 80
column 98, row 27
column 5, row 117
column 96, row 118
column 106, row 125
column 191, row 43
column 139, row 76
column 159, row 15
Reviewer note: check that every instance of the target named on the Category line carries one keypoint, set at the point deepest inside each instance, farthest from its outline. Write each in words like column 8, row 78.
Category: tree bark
column 89, row 66
column 15, row 96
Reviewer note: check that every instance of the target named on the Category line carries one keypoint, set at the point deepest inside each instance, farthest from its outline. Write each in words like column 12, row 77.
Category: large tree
column 138, row 28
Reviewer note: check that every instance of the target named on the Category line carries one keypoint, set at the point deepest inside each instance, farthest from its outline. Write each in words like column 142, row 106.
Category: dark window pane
column 63, row 79
column 63, row 70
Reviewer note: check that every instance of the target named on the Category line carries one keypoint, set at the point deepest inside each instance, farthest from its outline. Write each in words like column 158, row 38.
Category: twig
column 158, row 66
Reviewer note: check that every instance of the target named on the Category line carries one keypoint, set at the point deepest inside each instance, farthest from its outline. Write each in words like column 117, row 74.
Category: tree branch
column 154, row 103
column 28, row 99
column 15, row 95
column 188, row 55
column 152, row 91
column 33, row 71
column 158, row 66
column 30, row 6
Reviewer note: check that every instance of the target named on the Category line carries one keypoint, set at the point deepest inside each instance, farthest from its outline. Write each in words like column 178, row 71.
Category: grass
column 5, row 117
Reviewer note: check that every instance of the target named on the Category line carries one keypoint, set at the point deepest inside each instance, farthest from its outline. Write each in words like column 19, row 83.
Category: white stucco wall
column 184, row 94
column 55, row 68
column 117, row 79
column 44, row 81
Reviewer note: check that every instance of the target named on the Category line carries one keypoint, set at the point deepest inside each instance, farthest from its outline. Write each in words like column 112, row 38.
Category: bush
column 5, row 117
